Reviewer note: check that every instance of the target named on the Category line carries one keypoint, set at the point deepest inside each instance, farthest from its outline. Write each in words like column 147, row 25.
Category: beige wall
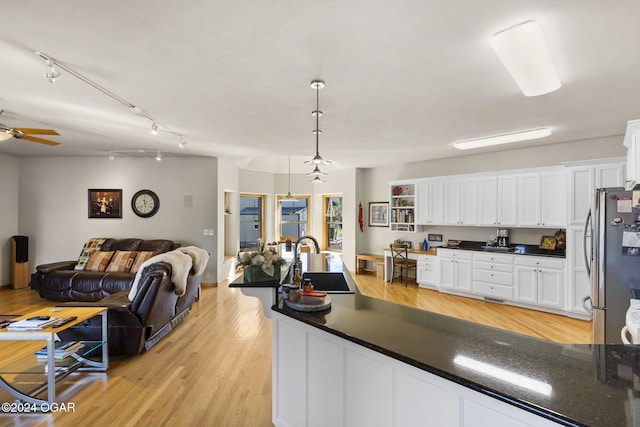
column 9, row 190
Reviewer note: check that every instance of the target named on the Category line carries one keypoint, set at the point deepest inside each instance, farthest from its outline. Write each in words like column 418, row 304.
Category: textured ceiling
column 404, row 78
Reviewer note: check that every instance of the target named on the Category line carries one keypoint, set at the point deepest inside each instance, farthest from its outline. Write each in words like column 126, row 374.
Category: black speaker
column 22, row 249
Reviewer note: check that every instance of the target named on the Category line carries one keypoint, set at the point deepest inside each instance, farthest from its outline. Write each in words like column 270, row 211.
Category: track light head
column 182, row 142
column 52, row 74
column 159, row 156
column 111, row 156
column 154, row 128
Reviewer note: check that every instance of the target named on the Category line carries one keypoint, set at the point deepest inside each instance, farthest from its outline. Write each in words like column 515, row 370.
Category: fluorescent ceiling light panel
column 502, row 139
column 526, row 57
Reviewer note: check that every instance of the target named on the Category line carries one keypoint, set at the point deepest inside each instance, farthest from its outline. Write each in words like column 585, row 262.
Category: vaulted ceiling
column 404, row 78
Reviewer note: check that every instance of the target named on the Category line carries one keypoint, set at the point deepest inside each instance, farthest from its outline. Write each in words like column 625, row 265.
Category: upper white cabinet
column 497, row 200
column 430, row 202
column 632, row 142
column 542, row 199
column 584, row 179
column 460, row 206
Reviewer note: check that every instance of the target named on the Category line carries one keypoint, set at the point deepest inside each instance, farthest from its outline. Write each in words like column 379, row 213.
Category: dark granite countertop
column 514, row 249
column 589, row 385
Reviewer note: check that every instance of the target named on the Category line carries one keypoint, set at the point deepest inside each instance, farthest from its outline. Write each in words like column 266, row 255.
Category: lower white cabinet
column 540, row 281
column 493, row 275
column 427, row 271
column 454, row 267
column 320, row 379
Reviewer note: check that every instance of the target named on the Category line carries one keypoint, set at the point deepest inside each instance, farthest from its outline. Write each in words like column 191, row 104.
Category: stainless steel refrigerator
column 612, row 234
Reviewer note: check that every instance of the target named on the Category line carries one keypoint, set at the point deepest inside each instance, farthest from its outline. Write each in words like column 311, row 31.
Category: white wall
column 54, row 210
column 9, row 226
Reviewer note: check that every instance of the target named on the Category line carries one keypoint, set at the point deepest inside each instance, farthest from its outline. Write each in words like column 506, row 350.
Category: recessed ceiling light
column 524, row 53
column 502, row 139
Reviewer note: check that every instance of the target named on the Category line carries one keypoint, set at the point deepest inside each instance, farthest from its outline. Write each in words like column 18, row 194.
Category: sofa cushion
column 98, row 261
column 122, row 261
column 140, row 259
column 157, row 245
column 92, row 245
column 124, row 245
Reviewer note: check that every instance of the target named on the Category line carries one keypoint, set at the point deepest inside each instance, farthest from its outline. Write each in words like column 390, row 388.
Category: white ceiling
column 404, row 78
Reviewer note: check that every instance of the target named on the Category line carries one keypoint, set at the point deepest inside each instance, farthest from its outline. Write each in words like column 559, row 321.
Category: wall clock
column 145, row 203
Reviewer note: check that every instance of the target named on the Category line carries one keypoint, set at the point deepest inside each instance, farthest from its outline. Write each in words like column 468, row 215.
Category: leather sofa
column 59, row 281
column 135, row 322
column 136, row 326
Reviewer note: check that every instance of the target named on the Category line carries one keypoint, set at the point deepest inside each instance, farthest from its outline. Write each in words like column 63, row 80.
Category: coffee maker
column 502, row 237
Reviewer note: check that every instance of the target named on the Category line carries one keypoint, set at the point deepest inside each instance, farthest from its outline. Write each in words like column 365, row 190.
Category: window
column 251, row 220
column 293, row 217
column 332, row 222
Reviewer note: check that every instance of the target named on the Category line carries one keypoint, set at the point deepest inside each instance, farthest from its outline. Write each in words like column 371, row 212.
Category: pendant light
column 317, row 159
column 289, row 197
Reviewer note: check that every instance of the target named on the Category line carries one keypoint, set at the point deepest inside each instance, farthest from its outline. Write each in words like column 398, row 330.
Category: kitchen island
column 370, row 362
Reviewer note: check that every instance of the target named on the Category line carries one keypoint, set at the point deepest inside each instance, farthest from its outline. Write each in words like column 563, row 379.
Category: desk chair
column 400, row 258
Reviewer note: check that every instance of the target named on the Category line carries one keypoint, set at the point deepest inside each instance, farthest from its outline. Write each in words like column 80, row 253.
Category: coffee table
column 26, row 377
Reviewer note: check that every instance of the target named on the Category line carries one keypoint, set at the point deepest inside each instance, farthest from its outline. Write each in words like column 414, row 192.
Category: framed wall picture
column 105, row 203
column 378, row 214
column 435, row 237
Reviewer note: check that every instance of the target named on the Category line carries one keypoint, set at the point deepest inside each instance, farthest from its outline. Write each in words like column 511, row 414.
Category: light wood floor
column 215, row 368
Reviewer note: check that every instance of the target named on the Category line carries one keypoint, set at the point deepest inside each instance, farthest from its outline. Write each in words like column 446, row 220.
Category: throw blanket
column 180, row 262
column 199, row 256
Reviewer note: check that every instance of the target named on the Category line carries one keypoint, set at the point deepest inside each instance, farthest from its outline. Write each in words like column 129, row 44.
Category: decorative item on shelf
column 261, row 266
column 561, row 239
column 425, row 245
column 548, row 242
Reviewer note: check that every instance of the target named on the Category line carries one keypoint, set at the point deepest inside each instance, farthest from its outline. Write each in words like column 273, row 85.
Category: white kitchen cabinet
column 497, row 200
column 427, row 271
column 632, row 142
column 454, row 267
column 540, row 281
column 430, row 203
column 542, row 199
column 493, row 275
column 461, row 197
column 584, row 178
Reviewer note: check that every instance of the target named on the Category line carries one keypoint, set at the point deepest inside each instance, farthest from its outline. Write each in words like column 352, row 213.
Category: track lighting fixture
column 317, row 159
column 159, row 156
column 182, row 142
column 111, row 156
column 52, row 74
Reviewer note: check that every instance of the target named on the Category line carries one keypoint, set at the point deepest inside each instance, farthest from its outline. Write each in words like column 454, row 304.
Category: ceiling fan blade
column 38, row 131
column 40, row 140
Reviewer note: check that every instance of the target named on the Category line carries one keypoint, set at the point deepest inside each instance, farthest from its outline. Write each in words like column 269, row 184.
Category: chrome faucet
column 300, row 239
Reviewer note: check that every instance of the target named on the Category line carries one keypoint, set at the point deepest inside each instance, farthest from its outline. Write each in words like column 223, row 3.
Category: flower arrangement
column 267, row 260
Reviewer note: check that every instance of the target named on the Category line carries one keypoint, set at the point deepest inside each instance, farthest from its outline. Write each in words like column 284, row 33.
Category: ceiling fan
column 7, row 132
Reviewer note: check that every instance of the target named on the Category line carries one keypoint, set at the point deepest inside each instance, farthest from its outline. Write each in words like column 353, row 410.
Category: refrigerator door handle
column 587, row 235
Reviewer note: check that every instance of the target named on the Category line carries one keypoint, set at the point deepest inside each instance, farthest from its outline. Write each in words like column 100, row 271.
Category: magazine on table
column 62, row 349
column 33, row 323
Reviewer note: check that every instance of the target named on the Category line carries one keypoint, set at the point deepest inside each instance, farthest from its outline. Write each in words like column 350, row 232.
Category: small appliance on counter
column 502, row 237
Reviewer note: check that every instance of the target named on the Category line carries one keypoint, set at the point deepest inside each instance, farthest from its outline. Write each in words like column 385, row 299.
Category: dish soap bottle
column 425, row 245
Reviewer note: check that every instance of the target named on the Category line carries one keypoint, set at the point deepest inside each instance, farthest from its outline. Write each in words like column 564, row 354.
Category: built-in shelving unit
column 402, row 215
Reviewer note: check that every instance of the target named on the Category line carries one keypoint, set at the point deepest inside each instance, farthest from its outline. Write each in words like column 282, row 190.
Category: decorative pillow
column 142, row 257
column 98, row 261
column 122, row 261
column 90, row 247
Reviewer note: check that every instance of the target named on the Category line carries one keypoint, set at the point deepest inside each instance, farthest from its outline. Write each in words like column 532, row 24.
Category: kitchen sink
column 329, row 282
